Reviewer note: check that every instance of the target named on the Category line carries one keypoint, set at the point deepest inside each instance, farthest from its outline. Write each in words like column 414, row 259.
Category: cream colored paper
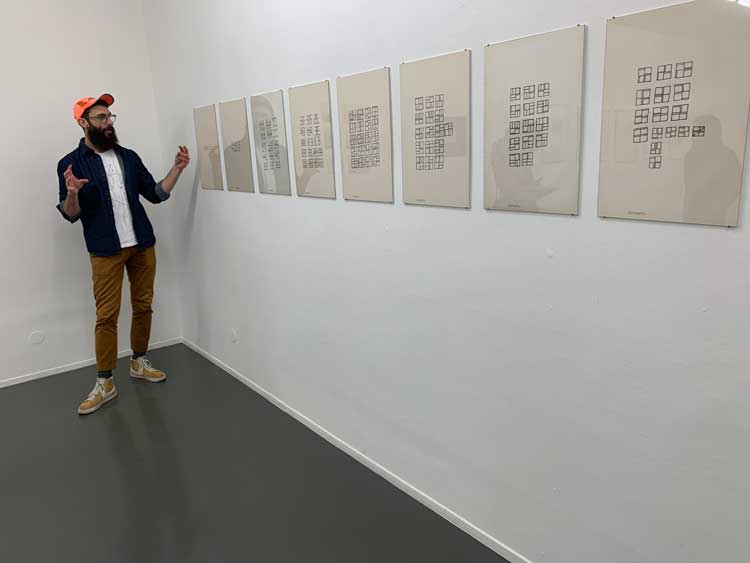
column 435, row 130
column 675, row 111
column 310, row 109
column 532, row 122
column 364, row 102
column 269, row 131
column 207, row 140
column 235, row 139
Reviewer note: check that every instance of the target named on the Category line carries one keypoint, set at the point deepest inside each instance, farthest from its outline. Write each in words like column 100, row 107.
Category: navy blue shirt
column 97, row 215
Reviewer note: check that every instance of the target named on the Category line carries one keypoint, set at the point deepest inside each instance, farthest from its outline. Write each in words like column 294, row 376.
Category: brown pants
column 107, row 275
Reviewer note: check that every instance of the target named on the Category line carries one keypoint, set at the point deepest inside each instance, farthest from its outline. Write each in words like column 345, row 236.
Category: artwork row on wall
column 674, row 124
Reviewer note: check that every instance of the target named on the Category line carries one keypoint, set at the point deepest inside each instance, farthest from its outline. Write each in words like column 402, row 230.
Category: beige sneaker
column 103, row 392
column 142, row 369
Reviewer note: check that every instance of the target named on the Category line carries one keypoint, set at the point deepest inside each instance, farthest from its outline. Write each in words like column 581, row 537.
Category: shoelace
column 98, row 388
column 145, row 363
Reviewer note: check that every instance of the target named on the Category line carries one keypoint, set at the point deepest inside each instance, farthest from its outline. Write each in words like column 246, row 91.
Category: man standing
column 100, row 184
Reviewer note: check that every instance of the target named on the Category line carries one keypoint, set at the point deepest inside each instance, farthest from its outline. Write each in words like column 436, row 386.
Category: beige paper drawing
column 269, row 132
column 207, row 140
column 235, row 139
column 435, row 130
column 364, row 103
column 532, row 122
column 310, row 109
column 675, row 111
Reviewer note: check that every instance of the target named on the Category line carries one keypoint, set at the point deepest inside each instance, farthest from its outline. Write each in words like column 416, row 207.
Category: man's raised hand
column 73, row 184
column 182, row 159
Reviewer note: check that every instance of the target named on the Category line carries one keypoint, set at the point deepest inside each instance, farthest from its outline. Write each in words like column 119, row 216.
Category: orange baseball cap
column 85, row 103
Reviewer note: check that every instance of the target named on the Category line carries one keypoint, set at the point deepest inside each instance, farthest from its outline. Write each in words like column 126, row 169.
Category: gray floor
column 201, row 469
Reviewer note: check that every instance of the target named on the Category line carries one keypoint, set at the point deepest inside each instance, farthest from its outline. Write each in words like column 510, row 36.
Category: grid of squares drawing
column 661, row 94
column 269, row 143
column 654, row 160
column 641, row 116
column 664, row 72
column 680, row 112
column 640, row 134
column 521, row 159
column 310, row 141
column 430, row 131
column 643, row 97
column 661, row 113
column 645, row 74
column 682, row 92
column 651, row 89
column 683, row 69
column 364, row 137
column 532, row 132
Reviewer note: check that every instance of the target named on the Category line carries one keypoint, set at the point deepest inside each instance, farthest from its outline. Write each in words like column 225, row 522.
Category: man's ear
column 82, row 123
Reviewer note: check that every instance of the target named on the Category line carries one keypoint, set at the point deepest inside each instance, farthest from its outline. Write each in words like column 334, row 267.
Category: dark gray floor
column 200, row 469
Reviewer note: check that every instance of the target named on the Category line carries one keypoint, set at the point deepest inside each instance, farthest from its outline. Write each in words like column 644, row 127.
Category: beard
column 103, row 139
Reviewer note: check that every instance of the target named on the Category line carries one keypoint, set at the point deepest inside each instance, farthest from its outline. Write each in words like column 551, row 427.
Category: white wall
column 52, row 53
column 575, row 387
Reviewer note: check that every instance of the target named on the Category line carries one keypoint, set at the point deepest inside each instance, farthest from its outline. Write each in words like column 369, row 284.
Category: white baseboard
column 81, row 364
column 454, row 518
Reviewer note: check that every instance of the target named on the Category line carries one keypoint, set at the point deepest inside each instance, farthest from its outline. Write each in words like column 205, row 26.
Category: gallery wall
column 571, row 388
column 51, row 54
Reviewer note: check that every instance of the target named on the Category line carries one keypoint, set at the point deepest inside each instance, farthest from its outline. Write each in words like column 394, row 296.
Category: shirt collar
column 84, row 148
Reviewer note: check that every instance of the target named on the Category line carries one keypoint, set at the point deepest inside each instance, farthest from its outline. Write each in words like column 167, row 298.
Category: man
column 100, row 184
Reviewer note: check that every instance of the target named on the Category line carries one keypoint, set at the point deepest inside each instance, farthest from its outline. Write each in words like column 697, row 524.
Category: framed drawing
column 435, row 130
column 235, row 139
column 364, row 102
column 532, row 122
column 674, row 116
column 207, row 140
column 269, row 133
column 310, row 109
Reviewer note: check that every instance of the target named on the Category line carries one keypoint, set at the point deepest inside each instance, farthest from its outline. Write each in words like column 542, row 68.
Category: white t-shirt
column 120, row 205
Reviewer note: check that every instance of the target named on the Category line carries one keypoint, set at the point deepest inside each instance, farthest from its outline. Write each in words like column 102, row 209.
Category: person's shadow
column 712, row 177
column 158, row 521
column 516, row 184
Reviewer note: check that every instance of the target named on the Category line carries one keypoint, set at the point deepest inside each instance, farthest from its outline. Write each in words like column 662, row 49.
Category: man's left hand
column 182, row 159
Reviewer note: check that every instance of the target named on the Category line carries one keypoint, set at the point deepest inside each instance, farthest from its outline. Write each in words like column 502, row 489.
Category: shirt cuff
column 67, row 217
column 161, row 193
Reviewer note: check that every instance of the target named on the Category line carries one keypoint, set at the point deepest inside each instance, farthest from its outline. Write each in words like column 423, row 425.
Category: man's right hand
column 73, row 184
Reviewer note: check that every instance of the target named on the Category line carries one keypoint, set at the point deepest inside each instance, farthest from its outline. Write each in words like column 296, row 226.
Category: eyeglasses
column 103, row 117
